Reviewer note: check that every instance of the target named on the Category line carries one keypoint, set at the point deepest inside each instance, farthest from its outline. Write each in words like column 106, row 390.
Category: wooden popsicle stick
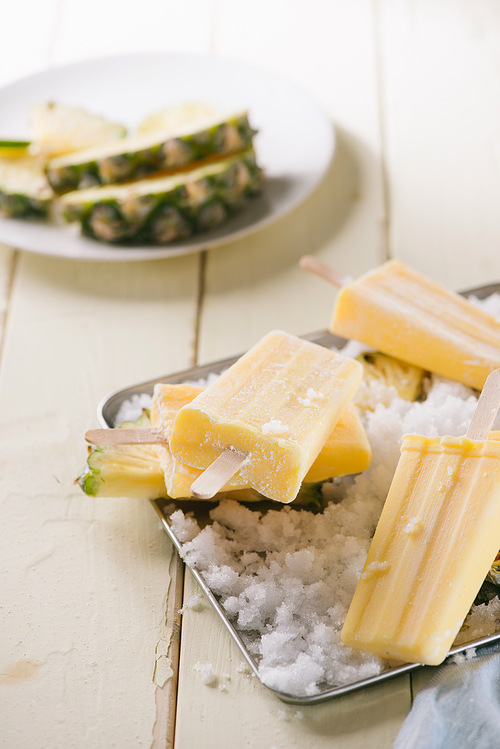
column 313, row 265
column 486, row 409
column 217, row 475
column 106, row 437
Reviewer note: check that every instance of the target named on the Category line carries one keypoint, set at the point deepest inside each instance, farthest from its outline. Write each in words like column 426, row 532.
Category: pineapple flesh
column 155, row 151
column 166, row 209
column 57, row 129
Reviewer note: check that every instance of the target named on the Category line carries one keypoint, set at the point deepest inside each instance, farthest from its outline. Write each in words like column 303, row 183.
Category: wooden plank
column 91, row 328
column 235, row 710
column 84, row 581
column 26, row 34
column 95, row 29
column 343, row 222
column 258, row 280
column 440, row 86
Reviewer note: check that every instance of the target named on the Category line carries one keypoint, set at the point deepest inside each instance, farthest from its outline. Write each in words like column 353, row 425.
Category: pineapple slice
column 140, row 155
column 164, row 209
column 124, row 471
column 24, row 191
column 58, row 130
column 180, row 116
column 14, row 149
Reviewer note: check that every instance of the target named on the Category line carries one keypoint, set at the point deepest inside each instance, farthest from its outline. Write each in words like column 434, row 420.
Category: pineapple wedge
column 57, row 129
column 124, row 471
column 24, row 191
column 136, row 157
column 14, row 149
column 164, row 209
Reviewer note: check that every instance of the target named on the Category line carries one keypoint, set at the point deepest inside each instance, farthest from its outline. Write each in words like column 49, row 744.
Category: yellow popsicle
column 277, row 405
column 346, row 450
column 402, row 313
column 437, row 536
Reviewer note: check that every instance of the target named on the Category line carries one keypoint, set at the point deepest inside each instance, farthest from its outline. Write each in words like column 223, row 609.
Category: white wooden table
column 89, row 588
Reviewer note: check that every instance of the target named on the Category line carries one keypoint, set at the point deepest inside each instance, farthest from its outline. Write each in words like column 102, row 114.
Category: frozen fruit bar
column 402, row 313
column 277, row 405
column 346, row 450
column 436, row 538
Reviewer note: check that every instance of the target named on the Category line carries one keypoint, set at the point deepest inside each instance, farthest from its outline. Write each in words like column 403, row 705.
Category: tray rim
column 106, row 411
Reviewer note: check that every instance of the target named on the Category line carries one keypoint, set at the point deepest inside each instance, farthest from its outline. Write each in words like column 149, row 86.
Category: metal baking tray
column 107, row 411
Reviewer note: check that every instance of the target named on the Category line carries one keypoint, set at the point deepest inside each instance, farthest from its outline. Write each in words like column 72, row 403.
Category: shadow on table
column 311, row 226
column 385, row 705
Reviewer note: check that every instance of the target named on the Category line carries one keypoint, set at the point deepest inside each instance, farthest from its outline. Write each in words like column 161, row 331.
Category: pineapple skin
column 228, row 137
column 24, row 192
column 159, row 218
column 22, row 206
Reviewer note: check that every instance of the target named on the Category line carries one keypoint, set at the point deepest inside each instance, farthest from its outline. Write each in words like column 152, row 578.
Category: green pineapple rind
column 15, row 205
column 234, row 134
column 163, row 210
column 24, row 191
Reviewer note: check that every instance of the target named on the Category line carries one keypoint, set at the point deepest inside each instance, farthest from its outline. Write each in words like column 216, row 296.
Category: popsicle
column 346, row 451
column 272, row 411
column 400, row 312
column 437, row 536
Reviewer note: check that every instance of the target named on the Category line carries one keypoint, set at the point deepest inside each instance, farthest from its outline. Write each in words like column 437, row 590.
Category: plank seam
column 200, row 299
column 55, row 32
column 213, row 26
column 386, row 249
column 8, row 300
column 166, row 695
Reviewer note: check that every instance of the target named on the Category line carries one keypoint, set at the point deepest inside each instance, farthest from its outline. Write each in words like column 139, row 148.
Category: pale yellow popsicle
column 437, row 536
column 347, row 449
column 402, row 313
column 277, row 405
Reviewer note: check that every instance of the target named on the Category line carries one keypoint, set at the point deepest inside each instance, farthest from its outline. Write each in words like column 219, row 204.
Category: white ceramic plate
column 295, row 143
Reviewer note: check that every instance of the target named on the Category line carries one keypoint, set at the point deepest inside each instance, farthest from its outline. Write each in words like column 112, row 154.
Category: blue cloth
column 459, row 708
